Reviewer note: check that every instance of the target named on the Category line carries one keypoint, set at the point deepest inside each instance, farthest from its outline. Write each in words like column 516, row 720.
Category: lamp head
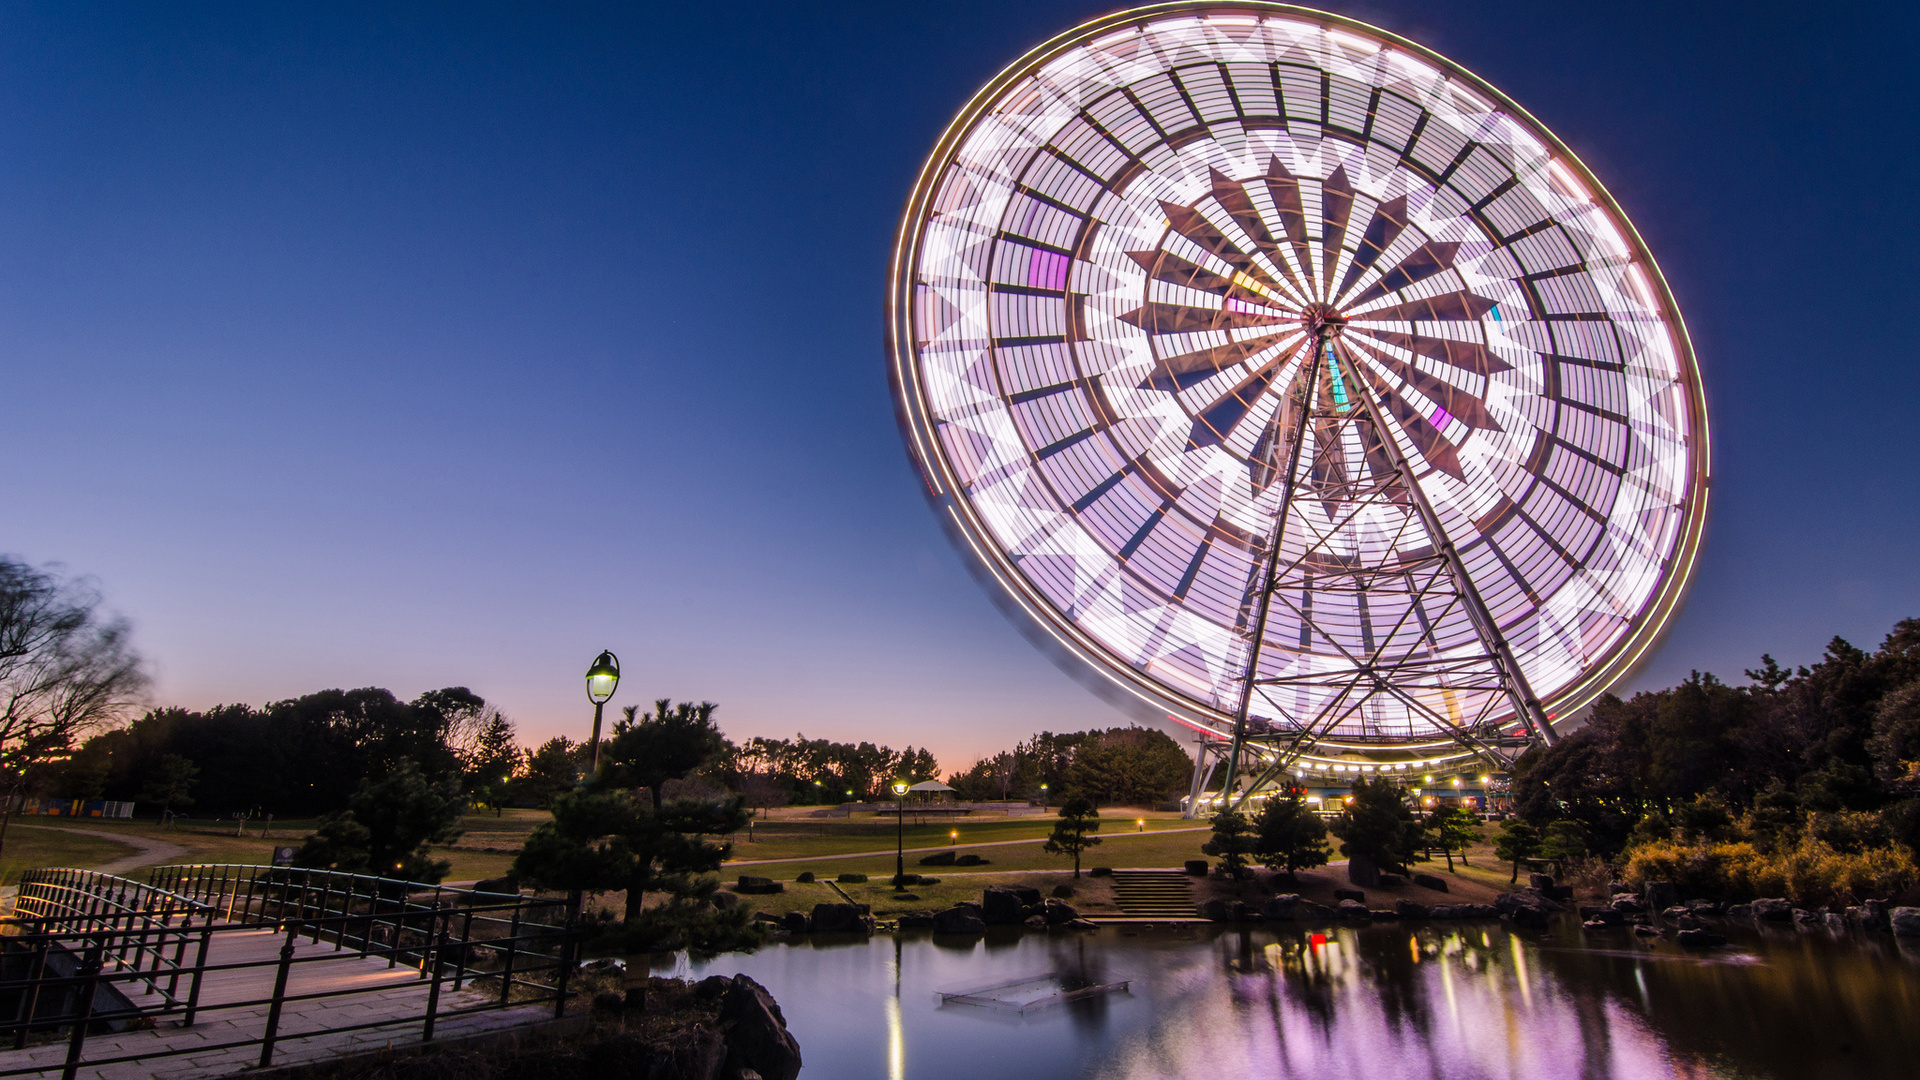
column 899, row 787
column 602, row 677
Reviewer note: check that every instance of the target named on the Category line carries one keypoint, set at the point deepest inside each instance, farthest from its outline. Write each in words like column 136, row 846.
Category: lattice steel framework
column 1301, row 383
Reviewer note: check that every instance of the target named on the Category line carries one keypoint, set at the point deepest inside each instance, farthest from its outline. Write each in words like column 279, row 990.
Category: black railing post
column 433, row 989
column 83, row 1015
column 466, row 947
column 199, row 969
column 569, row 956
column 513, row 946
column 30, row 995
column 279, row 996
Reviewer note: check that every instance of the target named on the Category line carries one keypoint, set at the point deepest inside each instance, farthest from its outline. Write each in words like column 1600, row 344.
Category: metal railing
column 86, row 949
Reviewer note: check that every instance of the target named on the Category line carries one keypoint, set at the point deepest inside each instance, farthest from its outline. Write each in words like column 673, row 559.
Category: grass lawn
column 31, row 848
column 1126, row 850
column 486, row 850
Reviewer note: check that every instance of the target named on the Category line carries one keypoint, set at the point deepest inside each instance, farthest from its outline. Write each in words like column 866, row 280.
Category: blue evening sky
column 411, row 345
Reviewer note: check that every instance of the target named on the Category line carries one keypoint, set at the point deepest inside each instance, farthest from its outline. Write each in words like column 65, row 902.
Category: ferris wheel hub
column 1322, row 320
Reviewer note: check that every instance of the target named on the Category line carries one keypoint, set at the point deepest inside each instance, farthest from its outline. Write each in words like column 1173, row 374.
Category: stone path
column 234, row 1008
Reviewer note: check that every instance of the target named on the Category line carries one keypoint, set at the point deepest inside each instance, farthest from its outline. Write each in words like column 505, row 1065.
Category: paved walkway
column 946, row 847
column 397, row 994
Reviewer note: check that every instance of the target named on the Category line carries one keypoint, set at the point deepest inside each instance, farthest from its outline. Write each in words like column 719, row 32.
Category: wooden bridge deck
column 394, row 992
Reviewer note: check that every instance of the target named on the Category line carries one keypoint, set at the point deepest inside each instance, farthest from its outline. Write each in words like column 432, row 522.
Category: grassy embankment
column 784, row 845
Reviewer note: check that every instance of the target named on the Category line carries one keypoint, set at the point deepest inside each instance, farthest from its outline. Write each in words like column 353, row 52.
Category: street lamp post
column 602, row 677
column 900, row 836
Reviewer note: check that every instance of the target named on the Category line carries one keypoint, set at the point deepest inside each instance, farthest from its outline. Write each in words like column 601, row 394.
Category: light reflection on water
column 1444, row 1001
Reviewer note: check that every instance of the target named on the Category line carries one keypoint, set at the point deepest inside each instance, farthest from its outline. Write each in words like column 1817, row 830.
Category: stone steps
column 1166, row 894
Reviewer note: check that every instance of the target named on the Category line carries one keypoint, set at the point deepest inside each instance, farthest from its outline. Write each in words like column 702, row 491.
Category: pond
column 1442, row 1000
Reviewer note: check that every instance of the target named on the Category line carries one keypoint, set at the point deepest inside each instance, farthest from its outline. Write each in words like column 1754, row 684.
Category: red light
column 1318, row 939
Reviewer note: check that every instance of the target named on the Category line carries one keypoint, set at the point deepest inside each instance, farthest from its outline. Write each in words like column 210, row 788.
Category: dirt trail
column 146, row 850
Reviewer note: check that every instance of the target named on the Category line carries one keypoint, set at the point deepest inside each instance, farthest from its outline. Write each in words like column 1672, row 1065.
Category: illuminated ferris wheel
column 1301, row 383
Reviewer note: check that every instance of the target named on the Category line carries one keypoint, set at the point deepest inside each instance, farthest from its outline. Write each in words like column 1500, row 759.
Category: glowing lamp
column 899, row 787
column 602, row 677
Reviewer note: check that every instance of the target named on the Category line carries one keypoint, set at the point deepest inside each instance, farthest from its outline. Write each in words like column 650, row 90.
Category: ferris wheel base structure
column 1303, row 386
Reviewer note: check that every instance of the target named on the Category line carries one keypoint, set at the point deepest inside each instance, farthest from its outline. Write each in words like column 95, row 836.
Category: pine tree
column 1078, row 817
column 1289, row 837
column 1233, row 842
column 1516, row 843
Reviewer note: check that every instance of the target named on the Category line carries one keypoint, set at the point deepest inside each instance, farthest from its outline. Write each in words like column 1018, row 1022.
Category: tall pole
column 899, row 842
column 597, row 706
column 1312, row 386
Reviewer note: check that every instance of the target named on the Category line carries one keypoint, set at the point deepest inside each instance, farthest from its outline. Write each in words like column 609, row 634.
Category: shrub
column 852, row 879
column 1811, row 872
column 806, row 877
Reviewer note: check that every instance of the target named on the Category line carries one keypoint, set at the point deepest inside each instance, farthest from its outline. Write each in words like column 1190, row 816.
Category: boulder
column 1615, row 888
column 1363, row 871
column 1647, row 931
column 1309, row 912
column 938, row 858
column 1062, row 891
column 1479, row 911
column 796, row 922
column 1410, row 909
column 1701, row 939
column 1216, row 911
column 1775, row 910
column 1526, row 908
column 1629, row 904
column 1197, row 867
column 756, row 1034
column 1608, row 915
column 1705, row 907
column 958, row 920
column 1242, row 913
column 1691, row 922
column 1559, row 893
column 1027, row 894
column 1392, row 881
column 725, row 900
column 1739, row 911
column 1802, row 915
column 1676, row 912
column 766, row 917
column 1542, row 882
column 1355, row 911
column 1598, row 924
column 1905, row 921
column 1002, row 907
column 916, row 920
column 1431, row 881
column 1443, row 911
column 805, row 877
column 1280, row 907
column 1384, row 915
column 839, row 919
column 1060, row 912
column 499, row 886
column 1035, row 922
column 1660, row 894
column 1349, row 894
